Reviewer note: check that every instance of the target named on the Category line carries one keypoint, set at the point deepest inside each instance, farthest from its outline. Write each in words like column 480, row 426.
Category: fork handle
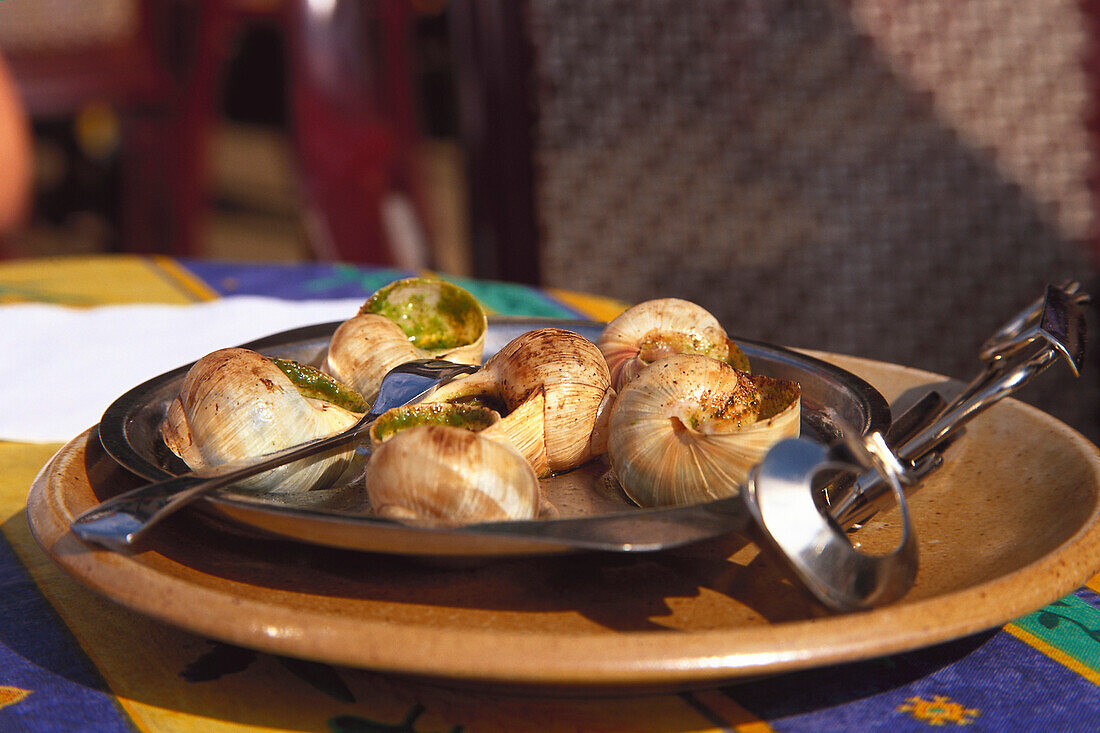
column 120, row 521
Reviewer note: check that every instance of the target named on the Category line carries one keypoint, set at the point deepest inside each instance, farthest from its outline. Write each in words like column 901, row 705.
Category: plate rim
column 659, row 660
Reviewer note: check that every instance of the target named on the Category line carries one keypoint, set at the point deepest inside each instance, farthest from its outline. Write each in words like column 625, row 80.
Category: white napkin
column 60, row 367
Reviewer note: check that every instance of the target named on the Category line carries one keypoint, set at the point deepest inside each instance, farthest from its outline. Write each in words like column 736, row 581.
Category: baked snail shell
column 554, row 392
column 414, row 318
column 438, row 475
column 658, row 328
column 690, row 428
column 236, row 404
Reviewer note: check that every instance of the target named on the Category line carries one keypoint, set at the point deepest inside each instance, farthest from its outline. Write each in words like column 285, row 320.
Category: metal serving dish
column 593, row 514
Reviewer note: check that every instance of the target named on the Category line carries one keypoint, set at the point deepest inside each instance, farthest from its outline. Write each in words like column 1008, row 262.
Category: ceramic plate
column 1009, row 524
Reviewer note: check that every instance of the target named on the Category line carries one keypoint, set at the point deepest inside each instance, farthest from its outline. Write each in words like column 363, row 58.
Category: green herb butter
column 312, row 382
column 434, row 314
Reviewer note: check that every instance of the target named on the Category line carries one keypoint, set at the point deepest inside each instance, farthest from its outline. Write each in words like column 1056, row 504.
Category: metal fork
column 122, row 520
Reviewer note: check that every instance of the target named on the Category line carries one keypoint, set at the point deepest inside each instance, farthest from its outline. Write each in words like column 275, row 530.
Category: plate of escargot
column 631, row 435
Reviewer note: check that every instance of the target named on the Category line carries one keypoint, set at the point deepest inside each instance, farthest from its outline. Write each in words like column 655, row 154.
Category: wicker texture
column 886, row 178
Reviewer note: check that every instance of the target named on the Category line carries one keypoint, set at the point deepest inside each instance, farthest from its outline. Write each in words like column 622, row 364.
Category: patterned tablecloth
column 1041, row 672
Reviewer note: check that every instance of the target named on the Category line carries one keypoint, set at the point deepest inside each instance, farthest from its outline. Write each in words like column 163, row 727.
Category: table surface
column 71, row 660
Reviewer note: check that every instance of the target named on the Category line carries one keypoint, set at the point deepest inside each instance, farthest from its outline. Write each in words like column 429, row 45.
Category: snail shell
column 690, row 428
column 658, row 328
column 445, row 476
column 414, row 318
column 555, row 391
column 364, row 348
column 235, row 404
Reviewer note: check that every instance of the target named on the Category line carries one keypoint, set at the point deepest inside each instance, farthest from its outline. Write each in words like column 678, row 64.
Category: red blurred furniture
column 156, row 70
column 353, row 124
column 354, row 128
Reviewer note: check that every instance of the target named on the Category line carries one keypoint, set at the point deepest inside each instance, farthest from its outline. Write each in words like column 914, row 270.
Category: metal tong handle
column 1052, row 327
column 813, row 544
column 813, row 549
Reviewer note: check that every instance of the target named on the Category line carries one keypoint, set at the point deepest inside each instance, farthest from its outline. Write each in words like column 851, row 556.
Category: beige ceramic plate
column 1008, row 525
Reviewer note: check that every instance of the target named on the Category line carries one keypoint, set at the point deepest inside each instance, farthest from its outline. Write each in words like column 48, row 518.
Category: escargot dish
column 414, row 318
column 539, row 430
column 689, row 428
column 235, row 404
column 658, row 328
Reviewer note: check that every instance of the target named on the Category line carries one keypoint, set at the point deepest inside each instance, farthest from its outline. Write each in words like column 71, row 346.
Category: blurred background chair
column 129, row 75
column 887, row 178
column 354, row 128
column 144, row 83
